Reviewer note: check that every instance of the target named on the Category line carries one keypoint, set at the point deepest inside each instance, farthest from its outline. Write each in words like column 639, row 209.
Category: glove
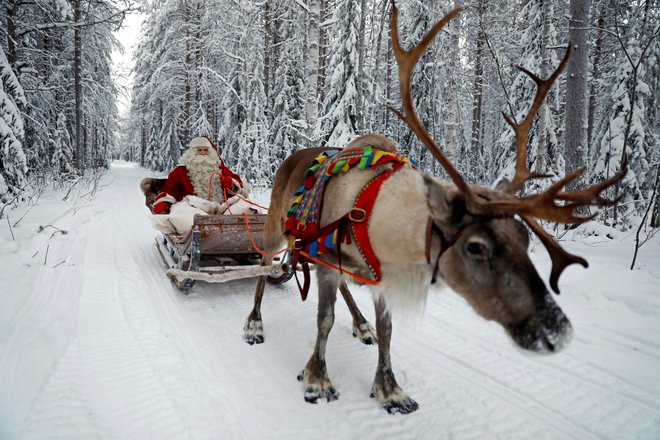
column 161, row 208
column 227, row 182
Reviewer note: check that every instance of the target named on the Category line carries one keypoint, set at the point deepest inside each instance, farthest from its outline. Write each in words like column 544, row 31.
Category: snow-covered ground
column 95, row 342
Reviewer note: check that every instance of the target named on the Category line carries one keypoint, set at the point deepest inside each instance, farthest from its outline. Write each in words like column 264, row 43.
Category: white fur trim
column 245, row 190
column 161, row 222
column 182, row 216
column 200, row 142
column 168, row 198
column 203, row 204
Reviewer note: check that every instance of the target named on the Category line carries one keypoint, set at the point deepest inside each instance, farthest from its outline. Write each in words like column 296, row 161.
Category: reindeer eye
column 476, row 249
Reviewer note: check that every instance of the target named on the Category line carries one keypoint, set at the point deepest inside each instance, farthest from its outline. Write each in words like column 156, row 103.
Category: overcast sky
column 128, row 36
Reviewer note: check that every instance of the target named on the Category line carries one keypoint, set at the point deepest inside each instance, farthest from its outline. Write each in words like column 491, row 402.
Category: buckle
column 357, row 215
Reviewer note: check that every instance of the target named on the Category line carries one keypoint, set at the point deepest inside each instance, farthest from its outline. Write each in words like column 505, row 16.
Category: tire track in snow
column 567, row 394
column 118, row 376
column 105, row 365
column 569, row 366
column 42, row 324
column 169, row 336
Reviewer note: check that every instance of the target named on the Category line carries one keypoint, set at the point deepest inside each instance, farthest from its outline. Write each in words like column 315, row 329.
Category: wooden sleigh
column 218, row 248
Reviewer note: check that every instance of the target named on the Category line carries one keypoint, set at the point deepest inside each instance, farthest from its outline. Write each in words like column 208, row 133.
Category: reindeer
column 422, row 228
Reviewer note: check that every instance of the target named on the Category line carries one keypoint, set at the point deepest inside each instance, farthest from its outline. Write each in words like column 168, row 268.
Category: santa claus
column 200, row 173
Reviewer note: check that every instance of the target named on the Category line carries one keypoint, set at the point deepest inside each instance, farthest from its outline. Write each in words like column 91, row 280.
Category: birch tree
column 576, row 118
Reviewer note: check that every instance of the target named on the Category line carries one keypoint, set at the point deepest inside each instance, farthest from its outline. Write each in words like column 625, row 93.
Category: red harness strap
column 358, row 217
column 364, row 204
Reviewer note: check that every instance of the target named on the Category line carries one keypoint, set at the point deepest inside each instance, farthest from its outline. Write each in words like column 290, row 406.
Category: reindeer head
column 484, row 254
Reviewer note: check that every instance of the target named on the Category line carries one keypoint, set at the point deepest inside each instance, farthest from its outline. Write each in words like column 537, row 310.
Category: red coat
column 178, row 185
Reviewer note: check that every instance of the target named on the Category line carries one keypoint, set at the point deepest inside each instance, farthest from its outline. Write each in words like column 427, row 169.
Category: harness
column 307, row 240
column 446, row 244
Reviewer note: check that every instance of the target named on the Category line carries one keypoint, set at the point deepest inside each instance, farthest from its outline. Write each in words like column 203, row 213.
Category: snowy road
column 95, row 342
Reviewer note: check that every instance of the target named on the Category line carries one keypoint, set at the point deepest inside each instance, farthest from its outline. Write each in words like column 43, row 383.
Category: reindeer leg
column 315, row 375
column 253, row 331
column 385, row 389
column 361, row 327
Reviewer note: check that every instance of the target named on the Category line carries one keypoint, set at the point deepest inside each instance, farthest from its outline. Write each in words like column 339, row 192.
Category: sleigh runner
column 217, row 249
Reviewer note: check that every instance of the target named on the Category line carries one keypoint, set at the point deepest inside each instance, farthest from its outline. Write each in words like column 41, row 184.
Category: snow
column 95, row 342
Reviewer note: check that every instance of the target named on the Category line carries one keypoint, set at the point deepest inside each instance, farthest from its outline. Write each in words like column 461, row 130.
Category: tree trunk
column 655, row 216
column 187, row 96
column 359, row 123
column 595, row 76
column 320, row 88
column 313, row 64
column 143, row 143
column 542, row 129
column 577, row 88
column 452, row 124
column 77, row 37
column 388, row 81
column 267, row 40
column 11, row 33
column 199, row 59
column 478, row 86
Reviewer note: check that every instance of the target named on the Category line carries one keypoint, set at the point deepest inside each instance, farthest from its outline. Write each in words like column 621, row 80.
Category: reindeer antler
column 406, row 61
column 522, row 130
column 540, row 206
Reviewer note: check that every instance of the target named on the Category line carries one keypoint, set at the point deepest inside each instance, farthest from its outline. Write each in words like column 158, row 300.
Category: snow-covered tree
column 289, row 125
column 62, row 160
column 626, row 118
column 13, row 164
column 243, row 72
column 625, row 132
column 338, row 120
column 538, row 37
column 577, row 89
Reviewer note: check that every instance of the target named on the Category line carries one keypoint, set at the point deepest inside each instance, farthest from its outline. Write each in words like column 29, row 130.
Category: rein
column 446, row 244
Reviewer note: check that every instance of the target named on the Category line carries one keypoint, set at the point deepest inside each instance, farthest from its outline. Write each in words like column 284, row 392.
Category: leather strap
column 300, row 244
column 364, row 204
column 358, row 218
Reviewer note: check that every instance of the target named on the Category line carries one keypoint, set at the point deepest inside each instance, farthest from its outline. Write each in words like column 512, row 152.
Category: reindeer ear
column 445, row 202
column 503, row 185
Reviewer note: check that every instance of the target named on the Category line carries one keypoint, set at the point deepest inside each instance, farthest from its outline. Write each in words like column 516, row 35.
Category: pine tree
column 289, row 120
column 339, row 120
column 544, row 155
column 62, row 160
column 625, row 132
column 13, row 164
column 624, row 125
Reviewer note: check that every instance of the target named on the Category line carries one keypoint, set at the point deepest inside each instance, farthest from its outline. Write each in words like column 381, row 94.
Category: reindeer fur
column 499, row 281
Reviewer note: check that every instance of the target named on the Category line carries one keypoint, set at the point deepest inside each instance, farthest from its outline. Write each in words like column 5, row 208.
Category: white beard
column 200, row 168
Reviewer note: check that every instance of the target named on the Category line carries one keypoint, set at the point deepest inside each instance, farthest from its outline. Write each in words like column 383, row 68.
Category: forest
column 266, row 78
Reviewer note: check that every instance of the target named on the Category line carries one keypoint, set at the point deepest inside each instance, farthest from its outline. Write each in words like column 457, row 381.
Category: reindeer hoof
column 253, row 332
column 318, row 389
column 395, row 402
column 313, row 394
column 405, row 407
column 365, row 333
column 253, row 339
